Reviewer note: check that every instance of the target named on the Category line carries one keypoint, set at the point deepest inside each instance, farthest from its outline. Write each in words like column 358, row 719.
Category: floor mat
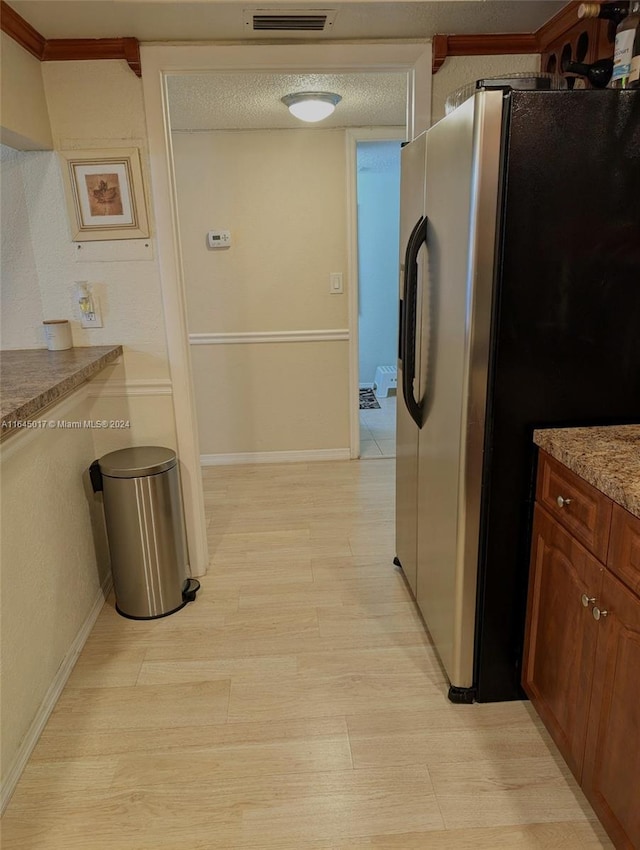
column 368, row 400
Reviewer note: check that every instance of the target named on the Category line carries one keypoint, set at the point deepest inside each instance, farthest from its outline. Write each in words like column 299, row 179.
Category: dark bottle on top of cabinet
column 598, row 74
column 608, row 11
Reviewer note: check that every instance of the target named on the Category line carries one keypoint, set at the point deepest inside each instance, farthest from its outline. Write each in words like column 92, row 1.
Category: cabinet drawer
column 584, row 511
column 624, row 550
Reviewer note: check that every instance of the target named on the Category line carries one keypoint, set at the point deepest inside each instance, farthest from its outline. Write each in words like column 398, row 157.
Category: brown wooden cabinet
column 561, row 646
column 586, row 41
column 582, row 652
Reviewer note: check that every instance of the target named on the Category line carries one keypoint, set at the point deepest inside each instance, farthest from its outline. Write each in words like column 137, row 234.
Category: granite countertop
column 606, row 457
column 34, row 378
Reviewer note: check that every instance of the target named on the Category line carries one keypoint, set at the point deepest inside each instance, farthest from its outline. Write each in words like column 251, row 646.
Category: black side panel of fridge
column 566, row 327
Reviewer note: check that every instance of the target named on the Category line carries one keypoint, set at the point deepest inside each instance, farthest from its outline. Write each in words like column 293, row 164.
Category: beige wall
column 21, row 314
column 459, row 70
column 274, row 397
column 282, row 193
column 97, row 105
column 25, row 120
column 50, row 573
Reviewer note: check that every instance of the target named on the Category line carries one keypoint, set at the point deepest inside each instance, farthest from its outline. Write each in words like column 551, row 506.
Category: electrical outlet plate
column 92, row 320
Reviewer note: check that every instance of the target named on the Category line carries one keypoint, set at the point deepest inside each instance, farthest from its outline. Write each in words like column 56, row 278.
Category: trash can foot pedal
column 189, row 593
column 192, row 586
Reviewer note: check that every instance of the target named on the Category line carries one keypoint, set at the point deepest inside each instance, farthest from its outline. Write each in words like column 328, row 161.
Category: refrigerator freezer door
column 565, row 341
column 463, row 152
column 412, row 182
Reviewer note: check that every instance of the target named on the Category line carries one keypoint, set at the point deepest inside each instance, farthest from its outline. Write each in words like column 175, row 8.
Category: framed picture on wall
column 105, row 194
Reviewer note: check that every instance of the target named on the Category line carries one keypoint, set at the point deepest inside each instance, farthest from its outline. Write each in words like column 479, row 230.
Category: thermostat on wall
column 219, row 239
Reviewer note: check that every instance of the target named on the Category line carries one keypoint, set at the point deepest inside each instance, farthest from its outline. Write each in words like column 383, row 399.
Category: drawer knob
column 587, row 600
column 597, row 613
column 562, row 502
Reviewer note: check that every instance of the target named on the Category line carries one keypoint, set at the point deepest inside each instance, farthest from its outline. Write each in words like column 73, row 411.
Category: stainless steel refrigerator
column 519, row 309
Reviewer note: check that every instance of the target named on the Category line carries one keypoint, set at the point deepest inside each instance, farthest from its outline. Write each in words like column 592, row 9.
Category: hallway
column 296, row 705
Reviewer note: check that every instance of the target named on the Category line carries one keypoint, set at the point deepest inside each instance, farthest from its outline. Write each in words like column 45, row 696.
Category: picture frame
column 105, row 194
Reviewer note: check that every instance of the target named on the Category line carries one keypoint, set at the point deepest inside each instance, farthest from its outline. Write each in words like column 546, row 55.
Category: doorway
column 269, row 335
column 378, row 201
column 160, row 62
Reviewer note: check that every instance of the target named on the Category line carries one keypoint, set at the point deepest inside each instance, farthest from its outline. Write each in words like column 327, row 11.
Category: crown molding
column 67, row 49
column 489, row 44
column 485, row 44
column 15, row 26
column 443, row 46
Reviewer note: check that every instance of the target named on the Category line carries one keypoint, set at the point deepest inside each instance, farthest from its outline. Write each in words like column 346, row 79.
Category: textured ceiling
column 207, row 20
column 251, row 101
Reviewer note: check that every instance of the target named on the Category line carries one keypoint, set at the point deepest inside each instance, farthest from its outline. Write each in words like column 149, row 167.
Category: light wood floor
column 297, row 705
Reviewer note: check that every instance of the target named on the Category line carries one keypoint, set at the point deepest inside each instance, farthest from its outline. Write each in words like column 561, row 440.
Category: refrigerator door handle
column 401, row 331
column 416, row 240
column 403, row 295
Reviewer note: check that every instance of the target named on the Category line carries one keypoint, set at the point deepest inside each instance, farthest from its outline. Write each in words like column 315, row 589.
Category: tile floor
column 378, row 429
column 296, row 705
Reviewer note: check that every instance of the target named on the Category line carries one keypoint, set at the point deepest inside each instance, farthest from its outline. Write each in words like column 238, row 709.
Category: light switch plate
column 335, row 283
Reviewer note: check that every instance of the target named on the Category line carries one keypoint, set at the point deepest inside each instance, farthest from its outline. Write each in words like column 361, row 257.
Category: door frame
column 159, row 61
column 353, row 136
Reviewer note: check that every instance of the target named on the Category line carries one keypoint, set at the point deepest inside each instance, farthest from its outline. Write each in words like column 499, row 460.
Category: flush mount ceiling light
column 311, row 105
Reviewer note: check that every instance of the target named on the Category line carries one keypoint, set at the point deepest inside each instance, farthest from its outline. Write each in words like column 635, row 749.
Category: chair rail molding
column 253, row 337
column 134, row 387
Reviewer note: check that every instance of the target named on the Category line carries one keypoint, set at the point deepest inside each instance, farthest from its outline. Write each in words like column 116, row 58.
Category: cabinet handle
column 562, row 502
column 597, row 613
column 587, row 600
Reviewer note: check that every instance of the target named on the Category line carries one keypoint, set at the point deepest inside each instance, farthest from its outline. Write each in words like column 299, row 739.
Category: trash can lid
column 137, row 461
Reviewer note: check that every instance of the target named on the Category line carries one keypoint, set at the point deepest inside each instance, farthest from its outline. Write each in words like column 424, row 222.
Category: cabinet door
column 561, row 635
column 624, row 549
column 611, row 776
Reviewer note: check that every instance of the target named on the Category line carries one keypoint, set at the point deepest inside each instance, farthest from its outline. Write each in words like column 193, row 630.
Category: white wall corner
column 51, row 697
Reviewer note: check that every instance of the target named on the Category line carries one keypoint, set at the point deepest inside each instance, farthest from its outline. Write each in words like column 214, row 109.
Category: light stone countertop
column 607, row 457
column 34, row 378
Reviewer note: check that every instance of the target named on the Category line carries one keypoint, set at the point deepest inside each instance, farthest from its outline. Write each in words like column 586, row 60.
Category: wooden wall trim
column 439, row 52
column 62, row 49
column 486, row 44
column 557, row 26
column 15, row 26
column 131, row 51
column 67, row 49
column 505, row 43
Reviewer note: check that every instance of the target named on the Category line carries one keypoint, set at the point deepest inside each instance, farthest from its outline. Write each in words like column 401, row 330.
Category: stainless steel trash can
column 145, row 530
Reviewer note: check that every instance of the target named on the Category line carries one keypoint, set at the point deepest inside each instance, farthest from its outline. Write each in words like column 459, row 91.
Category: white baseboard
column 51, row 697
column 275, row 457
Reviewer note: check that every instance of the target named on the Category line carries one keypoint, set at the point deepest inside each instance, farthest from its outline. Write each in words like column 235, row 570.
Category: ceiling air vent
column 289, row 20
